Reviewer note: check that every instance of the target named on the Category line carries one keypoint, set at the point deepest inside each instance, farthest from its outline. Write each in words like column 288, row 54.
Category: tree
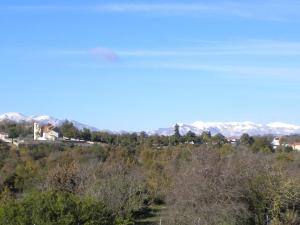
column 240, row 188
column 190, row 137
column 219, row 139
column 143, row 135
column 13, row 133
column 176, row 136
column 205, row 192
column 261, row 144
column 86, row 134
column 67, row 177
column 121, row 189
column 246, row 140
column 69, row 130
column 206, row 136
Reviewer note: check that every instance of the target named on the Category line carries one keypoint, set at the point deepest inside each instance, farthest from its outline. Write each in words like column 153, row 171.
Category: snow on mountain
column 44, row 119
column 183, row 129
column 228, row 129
column 41, row 119
column 283, row 125
column 13, row 116
column 81, row 126
column 232, row 129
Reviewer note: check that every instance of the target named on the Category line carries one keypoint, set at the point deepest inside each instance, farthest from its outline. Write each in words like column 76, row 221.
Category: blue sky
column 140, row 65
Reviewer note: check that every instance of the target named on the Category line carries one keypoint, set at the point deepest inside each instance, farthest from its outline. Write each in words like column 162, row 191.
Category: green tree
column 69, row 130
column 261, row 144
column 206, row 136
column 246, row 140
column 13, row 133
column 219, row 139
column 176, row 137
column 143, row 136
column 86, row 134
column 190, row 137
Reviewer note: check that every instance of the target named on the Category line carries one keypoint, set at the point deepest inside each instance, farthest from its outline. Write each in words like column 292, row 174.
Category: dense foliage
column 191, row 179
column 54, row 208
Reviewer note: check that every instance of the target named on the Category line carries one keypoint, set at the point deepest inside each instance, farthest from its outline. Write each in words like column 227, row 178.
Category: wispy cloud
column 262, row 10
column 233, row 70
column 264, row 58
column 105, row 53
column 271, row 48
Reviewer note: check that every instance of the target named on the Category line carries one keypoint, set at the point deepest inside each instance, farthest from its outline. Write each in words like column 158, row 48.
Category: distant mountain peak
column 42, row 119
column 14, row 116
column 232, row 129
column 228, row 129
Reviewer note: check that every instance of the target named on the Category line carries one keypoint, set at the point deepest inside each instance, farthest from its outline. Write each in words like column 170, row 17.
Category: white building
column 44, row 133
column 232, row 140
column 276, row 142
column 296, row 146
column 4, row 137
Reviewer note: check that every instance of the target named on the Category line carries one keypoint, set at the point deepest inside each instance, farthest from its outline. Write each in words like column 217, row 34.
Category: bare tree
column 68, row 177
column 230, row 190
column 121, row 188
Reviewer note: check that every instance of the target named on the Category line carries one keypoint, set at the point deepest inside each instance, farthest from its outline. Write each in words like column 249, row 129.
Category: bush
column 67, row 177
column 121, row 189
column 54, row 208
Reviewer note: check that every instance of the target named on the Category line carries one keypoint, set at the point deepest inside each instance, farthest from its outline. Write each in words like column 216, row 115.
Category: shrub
column 54, row 208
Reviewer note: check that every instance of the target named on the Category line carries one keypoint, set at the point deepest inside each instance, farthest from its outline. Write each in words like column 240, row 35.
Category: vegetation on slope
column 138, row 179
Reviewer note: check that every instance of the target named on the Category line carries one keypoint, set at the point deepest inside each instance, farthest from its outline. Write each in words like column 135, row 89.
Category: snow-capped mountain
column 228, row 129
column 232, row 129
column 12, row 116
column 42, row 119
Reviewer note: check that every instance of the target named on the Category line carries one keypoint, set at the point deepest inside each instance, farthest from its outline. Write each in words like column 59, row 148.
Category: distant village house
column 277, row 143
column 296, row 146
column 45, row 133
column 4, row 137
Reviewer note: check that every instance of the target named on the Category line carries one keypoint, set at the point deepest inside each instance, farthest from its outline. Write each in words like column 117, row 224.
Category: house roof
column 47, row 128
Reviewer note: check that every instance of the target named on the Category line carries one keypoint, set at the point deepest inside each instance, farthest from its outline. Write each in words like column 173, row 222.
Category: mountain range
column 228, row 129
column 233, row 129
column 41, row 119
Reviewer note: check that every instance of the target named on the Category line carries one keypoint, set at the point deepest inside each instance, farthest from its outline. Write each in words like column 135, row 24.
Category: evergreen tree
column 246, row 140
column 13, row 133
column 176, row 136
column 69, row 130
column 86, row 134
column 206, row 136
column 219, row 139
column 190, row 137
